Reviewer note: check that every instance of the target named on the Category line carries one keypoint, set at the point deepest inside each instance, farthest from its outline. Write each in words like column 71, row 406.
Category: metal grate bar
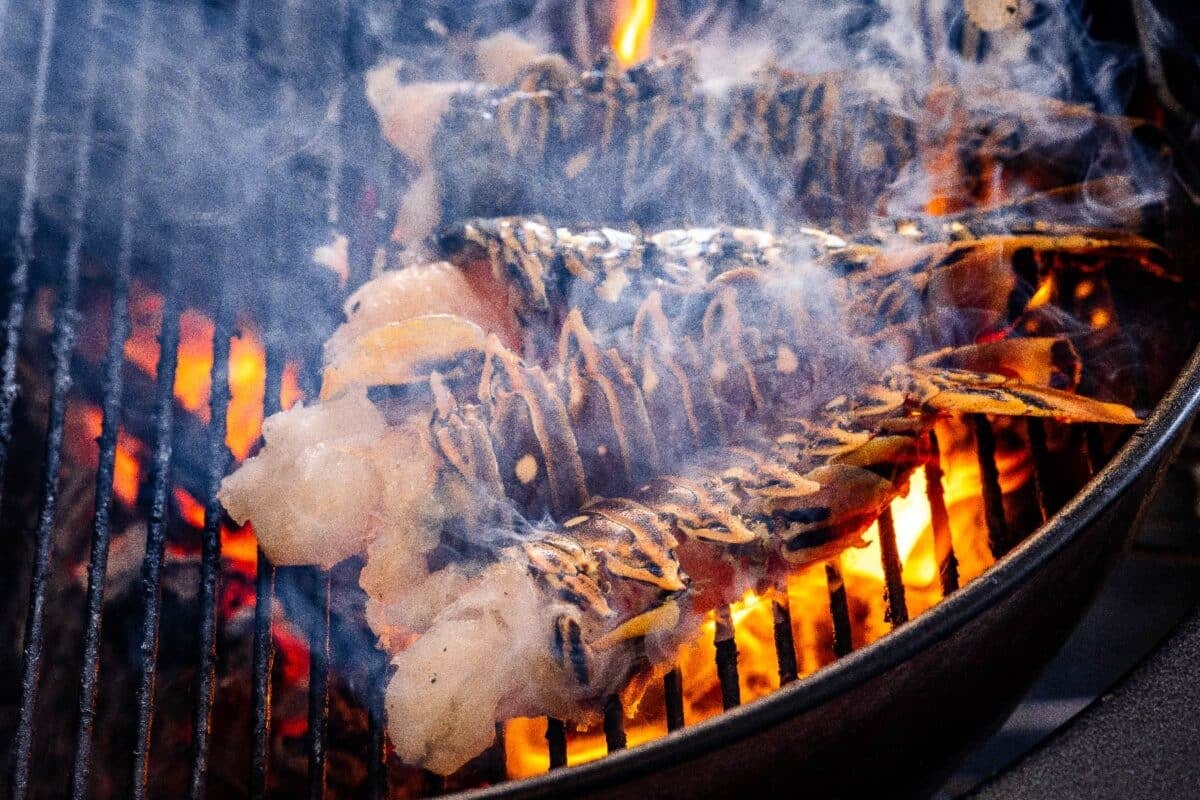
column 63, row 343
column 219, row 456
column 839, row 608
column 111, row 404
column 897, row 606
column 943, row 539
column 1041, row 467
column 785, row 646
column 498, row 769
column 556, row 739
column 727, row 666
column 156, row 529
column 673, row 693
column 210, row 561
column 263, row 662
column 18, row 281
column 264, row 592
column 614, row 724
column 999, row 539
column 318, row 689
column 376, row 742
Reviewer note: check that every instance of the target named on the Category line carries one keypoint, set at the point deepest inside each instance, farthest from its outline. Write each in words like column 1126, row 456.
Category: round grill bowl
column 898, row 714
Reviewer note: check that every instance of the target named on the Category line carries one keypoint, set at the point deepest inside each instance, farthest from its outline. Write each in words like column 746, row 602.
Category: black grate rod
column 1036, row 430
column 264, row 585
column 727, row 655
column 263, row 663
column 673, row 694
column 263, row 659
column 839, row 608
column 210, row 559
column 785, row 645
column 943, row 539
column 614, row 724
column 113, row 386
column 897, row 605
column 318, row 689
column 264, row 592
column 497, row 770
column 63, row 343
column 556, row 742
column 160, row 471
column 18, row 280
column 999, row 539
column 377, row 745
column 218, row 457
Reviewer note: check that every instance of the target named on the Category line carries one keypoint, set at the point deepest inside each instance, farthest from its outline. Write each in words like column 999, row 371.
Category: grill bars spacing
column 234, row 242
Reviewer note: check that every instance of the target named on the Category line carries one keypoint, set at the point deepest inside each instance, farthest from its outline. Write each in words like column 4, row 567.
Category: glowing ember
column 193, row 384
column 292, row 660
column 83, row 430
column 1043, row 295
column 807, row 598
column 289, row 392
column 631, row 38
column 190, row 509
column 239, row 547
column 914, row 527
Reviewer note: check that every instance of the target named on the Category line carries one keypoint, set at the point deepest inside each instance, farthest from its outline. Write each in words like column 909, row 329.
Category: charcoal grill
column 109, row 192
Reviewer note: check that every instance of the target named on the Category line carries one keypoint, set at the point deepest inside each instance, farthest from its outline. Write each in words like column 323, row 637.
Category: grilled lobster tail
column 692, row 413
column 785, row 146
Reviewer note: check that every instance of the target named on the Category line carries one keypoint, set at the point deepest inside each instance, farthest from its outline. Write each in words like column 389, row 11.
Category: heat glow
column 193, row 369
column 806, row 594
column 631, row 36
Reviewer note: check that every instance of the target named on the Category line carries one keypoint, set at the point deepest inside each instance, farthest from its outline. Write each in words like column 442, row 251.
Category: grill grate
column 210, row 562
column 64, row 334
column 23, row 243
column 113, row 386
column 351, row 194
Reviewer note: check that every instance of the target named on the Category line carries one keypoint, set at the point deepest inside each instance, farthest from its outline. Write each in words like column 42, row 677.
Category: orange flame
column 191, row 510
column 193, row 371
column 240, row 547
column 631, row 37
column 806, row 595
column 83, row 431
column 914, row 534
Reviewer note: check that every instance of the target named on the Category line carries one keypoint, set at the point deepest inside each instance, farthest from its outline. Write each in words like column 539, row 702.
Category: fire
column 914, row 539
column 239, row 546
column 193, row 371
column 631, row 37
column 192, row 392
column 83, row 430
column 127, row 470
column 806, row 594
column 190, row 509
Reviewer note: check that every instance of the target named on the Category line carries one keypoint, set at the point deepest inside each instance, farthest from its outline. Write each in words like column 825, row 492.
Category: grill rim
column 1161, row 432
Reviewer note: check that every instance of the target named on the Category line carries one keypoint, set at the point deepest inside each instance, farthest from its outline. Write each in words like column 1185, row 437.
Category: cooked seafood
column 606, row 273
column 548, row 523
column 831, row 149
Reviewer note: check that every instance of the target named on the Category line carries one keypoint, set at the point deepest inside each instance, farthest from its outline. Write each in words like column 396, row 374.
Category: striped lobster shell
column 708, row 436
column 827, row 149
